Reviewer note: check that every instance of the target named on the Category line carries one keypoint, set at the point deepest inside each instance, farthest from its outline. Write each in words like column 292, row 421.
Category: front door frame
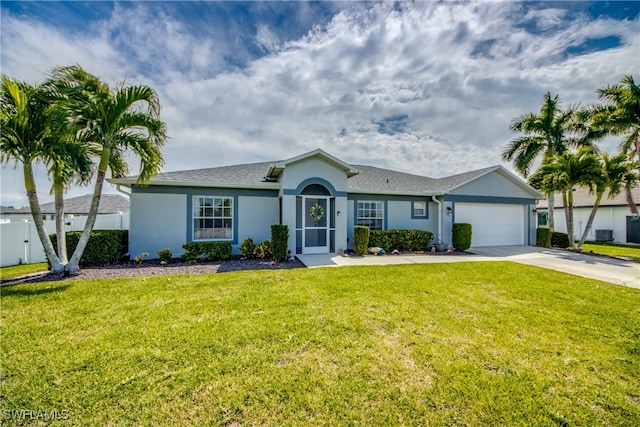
column 309, row 250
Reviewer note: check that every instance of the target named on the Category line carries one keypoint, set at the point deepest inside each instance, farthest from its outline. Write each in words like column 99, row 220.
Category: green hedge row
column 461, row 236
column 543, row 237
column 279, row 241
column 403, row 240
column 104, row 247
column 206, row 251
column 560, row 240
column 361, row 239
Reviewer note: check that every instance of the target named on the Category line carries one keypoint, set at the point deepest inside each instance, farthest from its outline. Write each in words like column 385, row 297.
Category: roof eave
column 396, row 193
column 132, row 183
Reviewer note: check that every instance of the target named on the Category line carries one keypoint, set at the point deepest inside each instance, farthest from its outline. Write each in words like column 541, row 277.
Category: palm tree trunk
column 551, row 209
column 592, row 215
column 565, row 206
column 36, row 212
column 61, row 235
column 632, row 204
column 570, row 219
column 74, row 263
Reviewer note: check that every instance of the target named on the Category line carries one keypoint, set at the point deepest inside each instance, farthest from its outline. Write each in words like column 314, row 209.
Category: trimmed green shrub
column 263, row 250
column 248, row 248
column 191, row 252
column 360, row 239
column 403, row 240
column 165, row 255
column 104, row 247
column 560, row 240
column 279, row 241
column 543, row 237
column 206, row 251
column 461, row 236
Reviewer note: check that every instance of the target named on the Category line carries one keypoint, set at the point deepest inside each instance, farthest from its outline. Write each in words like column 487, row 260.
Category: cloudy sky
column 422, row 87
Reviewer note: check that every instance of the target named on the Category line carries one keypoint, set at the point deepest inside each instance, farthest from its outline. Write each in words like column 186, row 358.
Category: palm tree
column 547, row 134
column 27, row 138
column 618, row 173
column 563, row 173
column 113, row 122
column 620, row 116
column 23, row 138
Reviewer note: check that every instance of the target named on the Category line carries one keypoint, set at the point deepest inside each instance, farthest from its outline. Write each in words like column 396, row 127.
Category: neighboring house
column 320, row 198
column 20, row 242
column 113, row 213
column 613, row 220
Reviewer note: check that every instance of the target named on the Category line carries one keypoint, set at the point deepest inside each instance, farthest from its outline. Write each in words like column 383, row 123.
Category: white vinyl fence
column 19, row 241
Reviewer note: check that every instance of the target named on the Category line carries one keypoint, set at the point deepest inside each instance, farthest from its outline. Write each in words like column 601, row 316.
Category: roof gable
column 487, row 181
column 276, row 169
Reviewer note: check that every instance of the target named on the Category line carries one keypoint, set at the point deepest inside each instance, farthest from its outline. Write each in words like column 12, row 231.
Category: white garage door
column 492, row 224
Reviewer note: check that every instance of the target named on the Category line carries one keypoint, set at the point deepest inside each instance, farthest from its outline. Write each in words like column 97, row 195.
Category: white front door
column 315, row 229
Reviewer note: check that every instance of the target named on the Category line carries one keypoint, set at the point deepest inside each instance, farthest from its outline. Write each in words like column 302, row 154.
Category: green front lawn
column 433, row 344
column 614, row 249
column 22, row 269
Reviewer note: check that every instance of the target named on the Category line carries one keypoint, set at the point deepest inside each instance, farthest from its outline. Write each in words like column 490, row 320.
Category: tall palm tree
column 618, row 173
column 113, row 122
column 27, row 138
column 563, row 173
column 23, row 137
column 620, row 116
column 546, row 134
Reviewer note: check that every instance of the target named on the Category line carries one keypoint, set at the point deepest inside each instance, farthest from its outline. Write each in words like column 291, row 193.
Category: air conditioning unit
column 604, row 235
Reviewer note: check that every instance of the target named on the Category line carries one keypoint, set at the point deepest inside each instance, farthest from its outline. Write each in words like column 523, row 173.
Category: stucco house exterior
column 613, row 220
column 320, row 198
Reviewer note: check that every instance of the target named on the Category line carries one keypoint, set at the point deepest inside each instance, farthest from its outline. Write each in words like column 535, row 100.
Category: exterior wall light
column 449, row 210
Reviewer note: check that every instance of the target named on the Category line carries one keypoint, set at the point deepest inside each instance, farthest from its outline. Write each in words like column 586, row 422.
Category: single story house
column 613, row 220
column 320, row 198
column 113, row 213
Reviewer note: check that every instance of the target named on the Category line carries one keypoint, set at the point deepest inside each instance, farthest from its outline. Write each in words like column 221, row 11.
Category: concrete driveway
column 593, row 267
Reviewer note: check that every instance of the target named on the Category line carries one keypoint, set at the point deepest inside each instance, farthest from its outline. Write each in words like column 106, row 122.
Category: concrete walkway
column 600, row 268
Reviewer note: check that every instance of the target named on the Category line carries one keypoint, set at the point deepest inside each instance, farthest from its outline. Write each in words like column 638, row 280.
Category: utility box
column 604, row 235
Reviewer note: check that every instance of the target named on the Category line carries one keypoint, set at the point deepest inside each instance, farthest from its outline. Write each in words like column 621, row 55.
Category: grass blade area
column 22, row 269
column 614, row 249
column 434, row 344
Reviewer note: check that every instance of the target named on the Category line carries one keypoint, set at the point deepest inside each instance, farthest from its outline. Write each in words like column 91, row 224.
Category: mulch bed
column 154, row 268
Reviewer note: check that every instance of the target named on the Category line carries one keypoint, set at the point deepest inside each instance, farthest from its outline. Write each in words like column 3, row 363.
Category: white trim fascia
column 396, row 193
column 262, row 186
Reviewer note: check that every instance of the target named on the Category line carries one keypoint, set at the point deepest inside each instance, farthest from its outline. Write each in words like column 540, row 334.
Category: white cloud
column 459, row 71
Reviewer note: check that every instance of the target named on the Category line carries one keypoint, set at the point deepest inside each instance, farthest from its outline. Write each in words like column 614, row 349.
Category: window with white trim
column 212, row 218
column 543, row 219
column 419, row 209
column 370, row 214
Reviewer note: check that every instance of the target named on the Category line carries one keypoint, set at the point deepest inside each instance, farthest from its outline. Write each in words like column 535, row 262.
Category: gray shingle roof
column 109, row 203
column 582, row 198
column 370, row 179
column 246, row 174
